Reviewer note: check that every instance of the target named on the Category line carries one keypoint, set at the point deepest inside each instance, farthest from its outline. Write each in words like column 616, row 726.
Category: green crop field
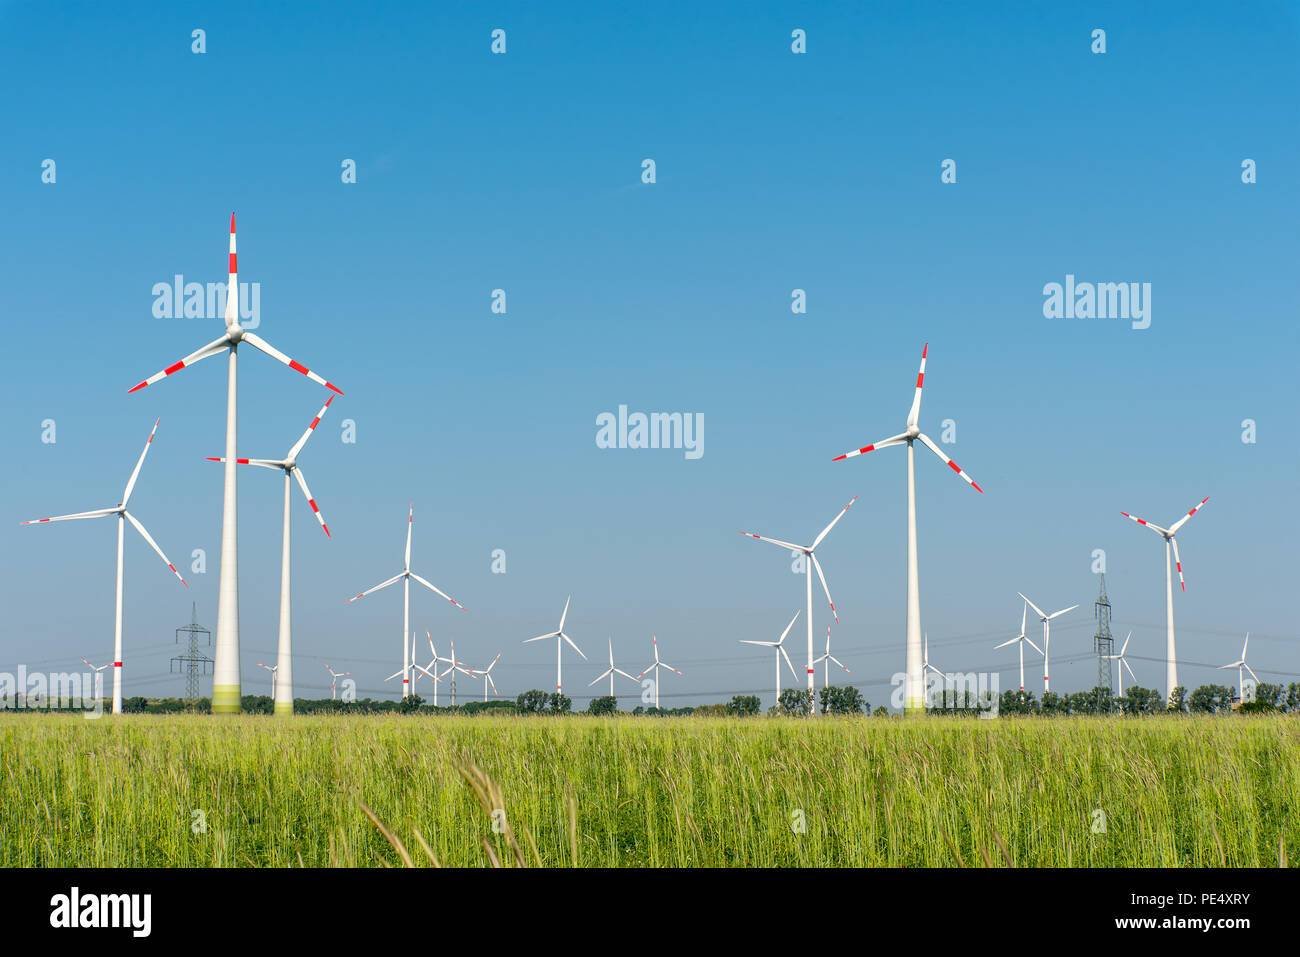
column 197, row 791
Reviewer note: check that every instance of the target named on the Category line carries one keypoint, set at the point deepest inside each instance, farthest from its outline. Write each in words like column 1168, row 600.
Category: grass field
column 124, row 791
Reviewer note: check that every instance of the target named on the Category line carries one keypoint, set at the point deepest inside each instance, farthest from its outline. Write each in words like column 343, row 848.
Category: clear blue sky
column 775, row 171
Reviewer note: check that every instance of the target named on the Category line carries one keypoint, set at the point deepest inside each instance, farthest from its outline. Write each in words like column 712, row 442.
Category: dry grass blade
column 492, row 855
column 947, row 840
column 1281, row 850
column 1003, row 847
column 988, row 862
column 1223, row 860
column 490, row 798
column 428, row 852
column 571, row 800
column 388, row 835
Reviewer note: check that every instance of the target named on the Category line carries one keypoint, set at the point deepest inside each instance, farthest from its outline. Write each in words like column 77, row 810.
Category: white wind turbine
column 608, row 674
column 810, row 562
column 1047, row 635
column 780, row 653
column 1020, row 640
column 1239, row 664
column 1123, row 663
column 97, row 680
column 560, row 637
column 486, row 674
column 334, row 677
column 289, row 466
column 1171, row 657
column 123, row 516
column 275, row 670
column 655, row 668
column 405, row 576
column 226, row 678
column 914, row 701
column 431, row 669
column 828, row 658
column 454, row 665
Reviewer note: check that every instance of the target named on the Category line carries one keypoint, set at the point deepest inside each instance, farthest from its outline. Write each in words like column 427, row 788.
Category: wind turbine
column 431, row 670
column 914, row 701
column 486, row 674
column 655, row 668
column 123, row 516
column 1020, row 640
column 405, row 576
column 810, row 562
column 289, row 466
column 334, row 677
column 274, row 669
column 780, row 653
column 454, row 666
column 225, row 667
column 1239, row 665
column 1171, row 658
column 97, row 680
column 610, row 673
column 1047, row 635
column 828, row 658
column 1123, row 663
column 560, row 637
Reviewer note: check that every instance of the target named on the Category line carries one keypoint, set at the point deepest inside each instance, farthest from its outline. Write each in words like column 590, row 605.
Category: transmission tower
column 1102, row 642
column 193, row 664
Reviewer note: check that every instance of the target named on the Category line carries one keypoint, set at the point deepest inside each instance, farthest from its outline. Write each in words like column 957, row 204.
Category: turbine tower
column 226, row 678
column 914, row 701
column 1171, row 656
column 123, row 516
column 810, row 562
column 283, row 684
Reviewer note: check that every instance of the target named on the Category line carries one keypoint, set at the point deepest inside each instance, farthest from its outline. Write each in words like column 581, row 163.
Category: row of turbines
column 226, row 681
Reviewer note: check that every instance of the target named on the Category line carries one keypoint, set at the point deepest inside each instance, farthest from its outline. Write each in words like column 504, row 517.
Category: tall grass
column 320, row 791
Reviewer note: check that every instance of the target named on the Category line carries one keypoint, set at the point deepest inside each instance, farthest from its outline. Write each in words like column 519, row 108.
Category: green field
column 937, row 792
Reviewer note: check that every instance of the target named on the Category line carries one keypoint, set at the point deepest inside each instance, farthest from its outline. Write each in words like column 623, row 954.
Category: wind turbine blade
column 624, row 674
column 838, row 662
column 1243, row 646
column 211, row 349
column 1029, row 641
column 564, row 614
column 882, row 444
column 491, row 682
column 493, row 665
column 440, row 592
column 929, row 443
column 368, row 591
column 1061, row 612
column 302, row 483
column 572, row 645
column 257, row 342
column 410, row 520
column 1124, row 648
column 1251, row 670
column 96, row 513
column 1024, row 617
column 264, row 463
column 553, row 634
column 1141, row 521
column 787, row 662
column 297, row 447
column 914, row 413
column 1182, row 521
column 1179, row 562
column 1038, row 610
column 818, row 540
column 1009, row 641
column 602, row 676
column 776, row 541
column 135, row 473
column 787, row 629
column 1129, row 667
column 818, row 566
column 670, row 667
column 395, row 674
column 765, row 644
column 154, row 545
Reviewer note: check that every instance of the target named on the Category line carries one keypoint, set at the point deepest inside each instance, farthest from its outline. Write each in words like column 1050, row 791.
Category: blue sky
column 775, row 171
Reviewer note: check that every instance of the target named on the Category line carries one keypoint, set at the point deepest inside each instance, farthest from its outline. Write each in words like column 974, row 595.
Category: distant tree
column 845, row 700
column 795, row 702
column 1293, row 697
column 743, row 704
column 605, row 705
column 1268, row 697
column 639, row 709
column 1212, row 699
column 410, row 704
column 880, row 712
column 532, row 702
column 1178, row 699
column 1052, row 703
column 559, row 704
